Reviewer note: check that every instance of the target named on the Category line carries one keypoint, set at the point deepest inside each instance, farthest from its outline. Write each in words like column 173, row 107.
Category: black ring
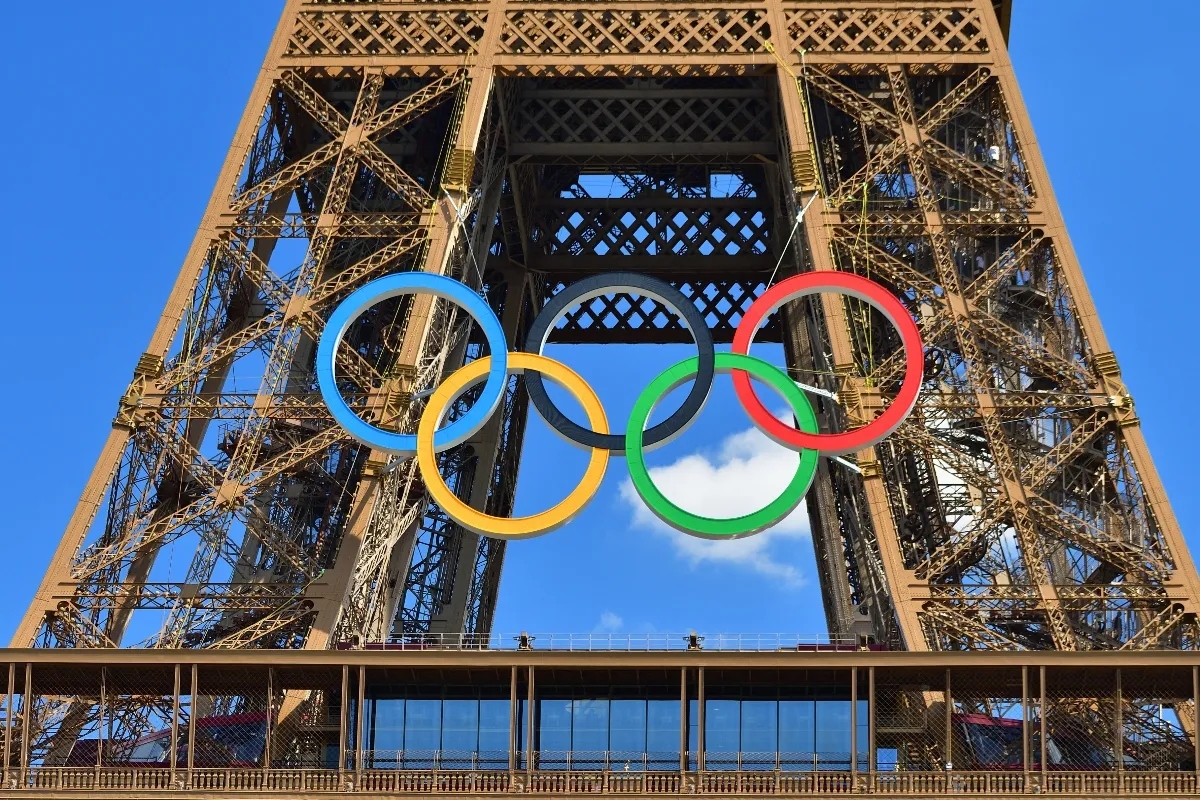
column 644, row 285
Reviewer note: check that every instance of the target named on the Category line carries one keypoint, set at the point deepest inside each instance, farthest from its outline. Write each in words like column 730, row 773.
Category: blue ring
column 377, row 291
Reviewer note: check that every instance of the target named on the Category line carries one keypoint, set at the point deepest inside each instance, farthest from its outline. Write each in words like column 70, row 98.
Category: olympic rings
column 805, row 438
column 511, row 527
column 707, row 527
column 384, row 289
column 868, row 291
column 609, row 283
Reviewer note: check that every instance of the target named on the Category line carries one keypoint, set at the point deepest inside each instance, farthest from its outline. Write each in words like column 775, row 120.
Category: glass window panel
column 693, row 728
column 422, row 732
column 833, row 734
column 864, row 734
column 385, row 732
column 797, row 734
column 722, row 728
column 522, row 731
column 589, row 738
column 627, row 726
column 759, row 733
column 662, row 734
column 460, row 733
column 493, row 734
column 554, row 733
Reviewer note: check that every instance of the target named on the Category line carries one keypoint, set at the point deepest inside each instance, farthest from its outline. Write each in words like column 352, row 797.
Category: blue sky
column 114, row 142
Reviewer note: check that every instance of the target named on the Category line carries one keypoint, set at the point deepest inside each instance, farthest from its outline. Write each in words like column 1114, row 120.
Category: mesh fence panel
column 1080, row 720
column 987, row 720
column 1157, row 711
column 305, row 717
column 65, row 721
column 10, row 718
column 228, row 719
column 910, row 728
column 138, row 710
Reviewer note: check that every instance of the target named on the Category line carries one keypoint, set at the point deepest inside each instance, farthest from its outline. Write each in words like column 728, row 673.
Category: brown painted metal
column 1018, row 509
column 964, row 674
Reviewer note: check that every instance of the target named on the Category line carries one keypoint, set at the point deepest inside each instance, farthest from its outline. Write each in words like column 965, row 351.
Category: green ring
column 706, row 527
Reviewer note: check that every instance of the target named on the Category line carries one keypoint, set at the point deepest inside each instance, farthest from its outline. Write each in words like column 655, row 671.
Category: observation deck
column 562, row 715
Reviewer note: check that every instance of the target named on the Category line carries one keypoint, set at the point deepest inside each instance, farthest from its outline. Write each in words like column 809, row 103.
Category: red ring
column 843, row 283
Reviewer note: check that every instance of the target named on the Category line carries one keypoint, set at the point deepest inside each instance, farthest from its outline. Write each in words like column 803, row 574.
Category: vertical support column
column 177, row 679
column 360, row 729
column 1025, row 723
column 192, row 724
column 8, row 719
column 92, row 498
column 873, row 750
column 343, row 723
column 683, row 721
column 513, row 721
column 26, row 713
column 442, row 235
column 1042, row 725
column 530, row 720
column 1085, row 309
column 700, row 738
column 1196, row 721
column 487, row 444
column 816, row 223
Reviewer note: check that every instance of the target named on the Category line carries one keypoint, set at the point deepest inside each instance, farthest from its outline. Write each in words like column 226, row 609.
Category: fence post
column 513, row 721
column 1196, row 723
column 8, row 718
column 683, row 725
column 872, row 752
column 1025, row 724
column 360, row 730
column 26, row 722
column 530, row 731
column 701, row 742
column 343, row 724
column 175, row 726
column 853, row 726
column 192, row 725
column 1042, row 725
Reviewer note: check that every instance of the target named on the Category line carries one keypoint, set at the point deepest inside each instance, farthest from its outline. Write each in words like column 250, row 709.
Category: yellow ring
column 510, row 527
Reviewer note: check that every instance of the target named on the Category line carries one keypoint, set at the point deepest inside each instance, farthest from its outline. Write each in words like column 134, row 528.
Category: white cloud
column 747, row 472
column 609, row 623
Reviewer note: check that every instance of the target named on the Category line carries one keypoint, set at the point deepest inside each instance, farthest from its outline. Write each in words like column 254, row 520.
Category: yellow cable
column 804, row 105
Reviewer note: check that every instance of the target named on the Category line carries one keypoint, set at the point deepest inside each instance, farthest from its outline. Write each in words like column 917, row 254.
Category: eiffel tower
column 520, row 146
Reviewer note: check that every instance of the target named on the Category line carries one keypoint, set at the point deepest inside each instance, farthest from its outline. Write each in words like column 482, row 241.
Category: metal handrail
column 1112, row 783
column 591, row 642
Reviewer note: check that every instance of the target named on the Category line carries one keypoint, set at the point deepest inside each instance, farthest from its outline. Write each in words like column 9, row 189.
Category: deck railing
column 806, row 784
column 600, row 642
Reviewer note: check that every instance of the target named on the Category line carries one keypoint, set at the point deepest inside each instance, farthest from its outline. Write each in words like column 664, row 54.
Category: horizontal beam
column 672, row 203
column 626, row 149
column 675, row 659
column 697, row 267
column 640, row 94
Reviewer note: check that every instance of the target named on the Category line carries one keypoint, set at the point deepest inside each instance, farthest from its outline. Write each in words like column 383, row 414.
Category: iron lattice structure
column 522, row 144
